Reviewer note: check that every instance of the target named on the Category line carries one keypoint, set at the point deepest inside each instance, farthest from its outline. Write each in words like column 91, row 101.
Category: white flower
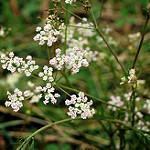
column 18, row 64
column 47, row 90
column 147, row 106
column 132, row 76
column 73, row 60
column 134, row 37
column 85, row 30
column 15, row 99
column 143, row 125
column 49, row 94
column 36, row 98
column 127, row 96
column 38, row 29
column 116, row 101
column 70, row 1
column 47, row 34
column 80, row 106
column 28, row 93
column 47, row 74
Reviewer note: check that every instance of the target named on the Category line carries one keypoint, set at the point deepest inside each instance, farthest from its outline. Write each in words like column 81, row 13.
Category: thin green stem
column 133, row 106
column 107, row 44
column 37, row 77
column 11, row 123
column 42, row 129
column 90, row 96
column 66, row 78
column 66, row 27
column 112, row 51
column 72, row 13
column 58, row 79
column 141, row 42
column 64, row 91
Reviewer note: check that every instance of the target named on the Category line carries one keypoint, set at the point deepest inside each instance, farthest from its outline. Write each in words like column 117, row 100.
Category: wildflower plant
column 76, row 45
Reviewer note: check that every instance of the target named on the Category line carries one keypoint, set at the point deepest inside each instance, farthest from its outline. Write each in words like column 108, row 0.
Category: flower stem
column 66, row 27
column 90, row 96
column 141, row 42
column 133, row 106
column 108, row 46
column 42, row 129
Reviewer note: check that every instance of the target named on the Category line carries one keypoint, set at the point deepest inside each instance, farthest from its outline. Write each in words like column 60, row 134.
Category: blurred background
column 18, row 20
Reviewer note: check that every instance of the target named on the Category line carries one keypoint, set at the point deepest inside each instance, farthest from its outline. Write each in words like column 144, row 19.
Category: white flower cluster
column 14, row 63
column 147, row 106
column 116, row 101
column 47, row 73
column 73, row 60
column 107, row 30
column 85, row 28
column 49, row 93
column 134, row 37
column 132, row 76
column 131, row 79
column 143, row 125
column 15, row 99
column 139, row 117
column 127, row 96
column 78, row 52
column 48, row 89
column 70, row 1
column 80, row 106
column 140, row 122
column 78, row 33
column 48, row 34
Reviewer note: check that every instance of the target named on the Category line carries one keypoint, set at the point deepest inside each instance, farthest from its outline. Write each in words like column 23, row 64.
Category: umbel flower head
column 47, row 73
column 132, row 76
column 80, row 106
column 49, row 33
column 116, row 101
column 48, row 89
column 17, row 64
column 131, row 79
column 73, row 60
column 15, row 99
